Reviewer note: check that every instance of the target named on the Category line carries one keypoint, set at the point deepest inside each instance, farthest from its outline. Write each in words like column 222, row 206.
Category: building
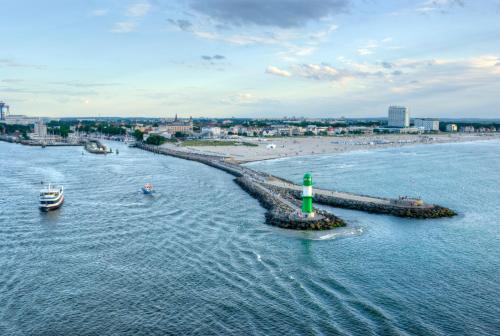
column 467, row 129
column 15, row 119
column 4, row 110
column 177, row 125
column 40, row 129
column 211, row 132
column 399, row 116
column 451, row 128
column 427, row 124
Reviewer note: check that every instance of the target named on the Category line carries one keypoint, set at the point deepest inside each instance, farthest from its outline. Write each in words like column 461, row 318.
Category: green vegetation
column 181, row 135
column 11, row 129
column 138, row 135
column 155, row 139
column 194, row 143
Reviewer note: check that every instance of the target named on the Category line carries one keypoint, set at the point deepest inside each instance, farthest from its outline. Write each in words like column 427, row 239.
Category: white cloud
column 241, row 98
column 372, row 45
column 99, row 12
column 278, row 72
column 139, row 9
column 124, row 27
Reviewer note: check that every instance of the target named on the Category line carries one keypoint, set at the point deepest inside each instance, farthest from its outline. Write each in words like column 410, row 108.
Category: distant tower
column 4, row 110
column 175, row 117
column 307, row 196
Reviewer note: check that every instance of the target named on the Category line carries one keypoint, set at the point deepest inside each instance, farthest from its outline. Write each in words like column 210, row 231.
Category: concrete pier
column 282, row 198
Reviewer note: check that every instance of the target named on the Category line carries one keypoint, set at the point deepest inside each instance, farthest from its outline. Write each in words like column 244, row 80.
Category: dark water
column 197, row 258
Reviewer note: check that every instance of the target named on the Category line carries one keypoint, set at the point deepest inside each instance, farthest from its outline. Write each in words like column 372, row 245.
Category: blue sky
column 272, row 58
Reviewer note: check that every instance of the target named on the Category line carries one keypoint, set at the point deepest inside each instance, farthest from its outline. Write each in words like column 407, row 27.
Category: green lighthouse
column 307, row 196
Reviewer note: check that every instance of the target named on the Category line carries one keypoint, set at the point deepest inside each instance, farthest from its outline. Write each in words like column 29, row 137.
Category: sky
column 243, row 58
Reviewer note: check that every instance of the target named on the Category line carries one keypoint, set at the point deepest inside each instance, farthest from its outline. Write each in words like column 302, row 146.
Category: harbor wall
column 281, row 215
column 278, row 214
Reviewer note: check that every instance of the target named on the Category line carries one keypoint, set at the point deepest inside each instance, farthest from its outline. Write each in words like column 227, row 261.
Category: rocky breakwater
column 285, row 212
column 282, row 209
column 95, row 147
column 384, row 206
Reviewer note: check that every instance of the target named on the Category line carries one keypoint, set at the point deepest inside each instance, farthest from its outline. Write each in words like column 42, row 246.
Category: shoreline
column 294, row 147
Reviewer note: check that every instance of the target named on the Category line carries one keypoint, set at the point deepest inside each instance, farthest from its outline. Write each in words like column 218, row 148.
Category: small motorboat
column 51, row 198
column 148, row 189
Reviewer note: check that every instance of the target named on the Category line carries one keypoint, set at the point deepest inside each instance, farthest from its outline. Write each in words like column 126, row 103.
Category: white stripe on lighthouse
column 307, row 191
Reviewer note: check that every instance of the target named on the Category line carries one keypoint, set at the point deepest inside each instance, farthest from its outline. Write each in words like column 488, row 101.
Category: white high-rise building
column 40, row 129
column 427, row 124
column 399, row 116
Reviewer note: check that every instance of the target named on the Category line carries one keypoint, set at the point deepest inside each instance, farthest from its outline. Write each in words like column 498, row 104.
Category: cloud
column 139, row 9
column 99, row 12
column 372, row 45
column 321, row 72
column 278, row 72
column 278, row 13
column 184, row 25
column 124, row 27
column 10, row 63
column 77, row 84
column 241, row 98
column 387, row 65
column 213, row 58
column 12, row 80
column 417, row 72
column 440, row 6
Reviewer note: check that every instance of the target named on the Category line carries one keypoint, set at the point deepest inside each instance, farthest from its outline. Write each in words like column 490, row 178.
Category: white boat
column 51, row 198
column 148, row 188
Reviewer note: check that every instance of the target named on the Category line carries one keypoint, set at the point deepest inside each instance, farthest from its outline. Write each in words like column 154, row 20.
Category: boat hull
column 52, row 207
column 147, row 192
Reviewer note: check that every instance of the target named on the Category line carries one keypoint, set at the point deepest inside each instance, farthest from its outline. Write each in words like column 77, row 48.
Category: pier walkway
column 281, row 197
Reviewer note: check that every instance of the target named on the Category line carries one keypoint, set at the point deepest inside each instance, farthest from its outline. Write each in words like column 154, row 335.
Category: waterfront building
column 16, row 119
column 178, row 125
column 313, row 129
column 211, row 132
column 4, row 110
column 269, row 131
column 399, row 116
column 40, row 129
column 427, row 124
column 467, row 129
column 451, row 128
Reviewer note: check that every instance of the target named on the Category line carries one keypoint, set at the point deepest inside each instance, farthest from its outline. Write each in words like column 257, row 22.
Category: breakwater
column 282, row 198
column 95, row 147
column 40, row 143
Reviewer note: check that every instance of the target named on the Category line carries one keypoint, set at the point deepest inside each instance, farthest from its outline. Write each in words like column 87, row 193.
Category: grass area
column 193, row 143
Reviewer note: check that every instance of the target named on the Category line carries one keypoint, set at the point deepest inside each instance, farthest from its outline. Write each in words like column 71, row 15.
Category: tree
column 155, row 139
column 181, row 135
column 138, row 135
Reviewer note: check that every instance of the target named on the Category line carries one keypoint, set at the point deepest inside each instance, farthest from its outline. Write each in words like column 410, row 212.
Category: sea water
column 198, row 258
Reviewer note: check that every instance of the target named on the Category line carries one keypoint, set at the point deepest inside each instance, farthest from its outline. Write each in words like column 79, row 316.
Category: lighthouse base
column 308, row 214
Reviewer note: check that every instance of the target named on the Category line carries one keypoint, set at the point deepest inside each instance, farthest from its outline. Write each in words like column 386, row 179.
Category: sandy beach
column 273, row 148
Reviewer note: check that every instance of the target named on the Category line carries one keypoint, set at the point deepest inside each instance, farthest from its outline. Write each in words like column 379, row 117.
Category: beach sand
column 273, row 148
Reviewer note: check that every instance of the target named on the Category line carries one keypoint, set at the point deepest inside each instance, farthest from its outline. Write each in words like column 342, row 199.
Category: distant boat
column 148, row 189
column 51, row 198
column 117, row 151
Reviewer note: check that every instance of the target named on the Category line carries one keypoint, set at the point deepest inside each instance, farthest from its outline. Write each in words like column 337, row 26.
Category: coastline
column 288, row 147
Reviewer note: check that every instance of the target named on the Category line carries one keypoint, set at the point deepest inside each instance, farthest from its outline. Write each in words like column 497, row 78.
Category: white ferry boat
column 51, row 198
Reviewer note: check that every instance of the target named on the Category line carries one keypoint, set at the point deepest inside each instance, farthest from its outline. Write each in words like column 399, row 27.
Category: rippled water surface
column 197, row 257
